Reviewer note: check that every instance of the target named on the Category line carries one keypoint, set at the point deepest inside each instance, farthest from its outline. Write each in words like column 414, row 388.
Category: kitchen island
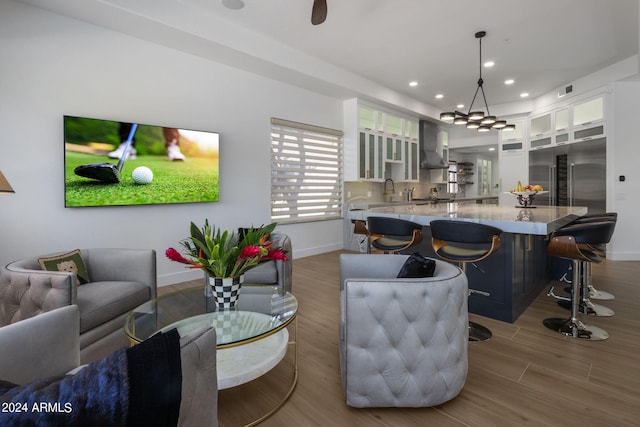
column 516, row 274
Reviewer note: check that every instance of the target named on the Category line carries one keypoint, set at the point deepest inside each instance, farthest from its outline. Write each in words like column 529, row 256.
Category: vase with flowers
column 225, row 256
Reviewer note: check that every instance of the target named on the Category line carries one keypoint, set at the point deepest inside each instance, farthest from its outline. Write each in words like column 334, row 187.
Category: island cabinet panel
column 513, row 276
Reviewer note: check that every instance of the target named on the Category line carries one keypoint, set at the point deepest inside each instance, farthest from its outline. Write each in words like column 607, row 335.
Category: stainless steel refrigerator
column 574, row 174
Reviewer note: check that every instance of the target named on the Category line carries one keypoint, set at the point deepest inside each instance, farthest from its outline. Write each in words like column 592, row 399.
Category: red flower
column 174, row 255
column 276, row 254
column 250, row 251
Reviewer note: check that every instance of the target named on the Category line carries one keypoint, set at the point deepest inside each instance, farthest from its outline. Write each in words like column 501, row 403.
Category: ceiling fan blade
column 319, row 12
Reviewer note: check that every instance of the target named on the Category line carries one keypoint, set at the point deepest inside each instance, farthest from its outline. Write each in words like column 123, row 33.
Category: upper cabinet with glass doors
column 540, row 131
column 370, row 162
column 588, row 119
column 387, row 146
column 577, row 122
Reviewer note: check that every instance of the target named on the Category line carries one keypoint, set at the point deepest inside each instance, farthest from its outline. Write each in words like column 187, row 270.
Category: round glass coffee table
column 251, row 339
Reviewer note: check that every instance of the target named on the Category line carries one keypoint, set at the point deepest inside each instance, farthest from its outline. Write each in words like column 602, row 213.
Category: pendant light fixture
column 477, row 119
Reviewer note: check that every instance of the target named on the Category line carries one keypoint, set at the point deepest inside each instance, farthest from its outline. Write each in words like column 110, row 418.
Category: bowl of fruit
column 526, row 193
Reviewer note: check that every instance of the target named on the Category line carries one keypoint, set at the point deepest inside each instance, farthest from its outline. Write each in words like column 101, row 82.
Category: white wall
column 622, row 160
column 53, row 65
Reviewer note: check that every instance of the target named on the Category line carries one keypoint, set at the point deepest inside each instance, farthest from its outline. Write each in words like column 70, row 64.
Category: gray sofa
column 277, row 273
column 121, row 279
column 403, row 342
column 48, row 345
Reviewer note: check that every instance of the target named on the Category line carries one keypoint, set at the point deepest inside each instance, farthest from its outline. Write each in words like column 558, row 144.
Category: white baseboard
column 623, row 256
column 317, row 250
column 182, row 276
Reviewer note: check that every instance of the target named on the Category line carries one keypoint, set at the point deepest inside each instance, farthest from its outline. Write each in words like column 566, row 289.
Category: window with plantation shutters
column 306, row 172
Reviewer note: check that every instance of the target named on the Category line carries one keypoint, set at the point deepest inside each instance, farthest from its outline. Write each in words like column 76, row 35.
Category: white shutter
column 306, row 172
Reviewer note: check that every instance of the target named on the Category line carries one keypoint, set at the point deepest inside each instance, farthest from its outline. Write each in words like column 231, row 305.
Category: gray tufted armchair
column 121, row 279
column 403, row 342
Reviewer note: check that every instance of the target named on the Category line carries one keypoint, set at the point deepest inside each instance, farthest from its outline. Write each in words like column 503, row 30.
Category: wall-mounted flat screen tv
column 112, row 163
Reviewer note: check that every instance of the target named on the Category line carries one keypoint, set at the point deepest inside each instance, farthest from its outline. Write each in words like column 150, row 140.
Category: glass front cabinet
column 580, row 121
column 588, row 119
column 384, row 145
column 370, row 164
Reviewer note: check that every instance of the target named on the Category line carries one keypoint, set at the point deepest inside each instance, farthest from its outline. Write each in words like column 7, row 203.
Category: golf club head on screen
column 107, row 172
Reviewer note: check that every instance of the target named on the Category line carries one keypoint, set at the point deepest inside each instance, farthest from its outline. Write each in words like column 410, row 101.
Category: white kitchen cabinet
column 393, row 149
column 589, row 111
column 368, row 118
column 512, row 159
column 561, row 128
column 410, row 129
column 518, row 134
column 540, row 142
column 540, row 131
column 513, row 168
column 379, row 144
column 561, row 120
column 540, row 125
column 585, row 133
column 588, row 119
column 412, row 160
column 370, row 156
column 408, row 169
column 392, row 124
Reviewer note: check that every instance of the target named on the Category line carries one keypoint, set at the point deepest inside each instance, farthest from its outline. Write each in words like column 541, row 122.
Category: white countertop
column 539, row 220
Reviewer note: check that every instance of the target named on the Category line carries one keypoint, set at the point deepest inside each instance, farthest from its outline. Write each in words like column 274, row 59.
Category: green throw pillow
column 70, row 261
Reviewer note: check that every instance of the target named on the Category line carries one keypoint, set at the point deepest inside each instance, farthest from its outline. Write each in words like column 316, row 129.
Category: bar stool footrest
column 601, row 295
column 590, row 308
column 594, row 293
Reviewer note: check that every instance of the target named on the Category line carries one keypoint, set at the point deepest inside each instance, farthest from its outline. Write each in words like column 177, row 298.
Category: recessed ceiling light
column 509, row 81
column 413, row 84
column 460, row 106
column 439, row 96
column 233, row 4
column 524, row 95
column 489, row 64
column 492, row 149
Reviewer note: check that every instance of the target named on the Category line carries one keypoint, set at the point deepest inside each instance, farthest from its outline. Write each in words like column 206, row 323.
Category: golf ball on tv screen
column 142, row 175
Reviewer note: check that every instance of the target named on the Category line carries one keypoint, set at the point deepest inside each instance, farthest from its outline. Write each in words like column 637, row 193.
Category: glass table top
column 261, row 311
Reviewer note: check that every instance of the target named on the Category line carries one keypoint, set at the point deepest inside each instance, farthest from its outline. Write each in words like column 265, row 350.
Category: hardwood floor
column 525, row 375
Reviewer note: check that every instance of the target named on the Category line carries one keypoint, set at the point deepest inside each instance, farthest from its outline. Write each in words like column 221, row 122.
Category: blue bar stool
column 465, row 242
column 392, row 235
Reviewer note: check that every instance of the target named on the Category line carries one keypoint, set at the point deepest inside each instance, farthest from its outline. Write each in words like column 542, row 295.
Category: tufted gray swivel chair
column 403, row 342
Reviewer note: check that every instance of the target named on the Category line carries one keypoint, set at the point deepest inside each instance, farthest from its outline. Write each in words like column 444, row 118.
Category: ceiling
column 376, row 45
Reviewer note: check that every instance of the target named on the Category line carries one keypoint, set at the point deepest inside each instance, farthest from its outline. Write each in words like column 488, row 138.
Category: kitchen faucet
column 386, row 189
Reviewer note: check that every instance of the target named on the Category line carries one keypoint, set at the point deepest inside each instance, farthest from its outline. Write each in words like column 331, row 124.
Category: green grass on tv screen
column 190, row 181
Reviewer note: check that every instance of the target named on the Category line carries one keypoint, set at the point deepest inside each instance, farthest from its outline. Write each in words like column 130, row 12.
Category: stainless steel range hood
column 429, row 156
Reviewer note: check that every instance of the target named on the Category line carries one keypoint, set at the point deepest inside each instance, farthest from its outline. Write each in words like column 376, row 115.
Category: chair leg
column 574, row 327
column 477, row 332
column 586, row 306
column 593, row 292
